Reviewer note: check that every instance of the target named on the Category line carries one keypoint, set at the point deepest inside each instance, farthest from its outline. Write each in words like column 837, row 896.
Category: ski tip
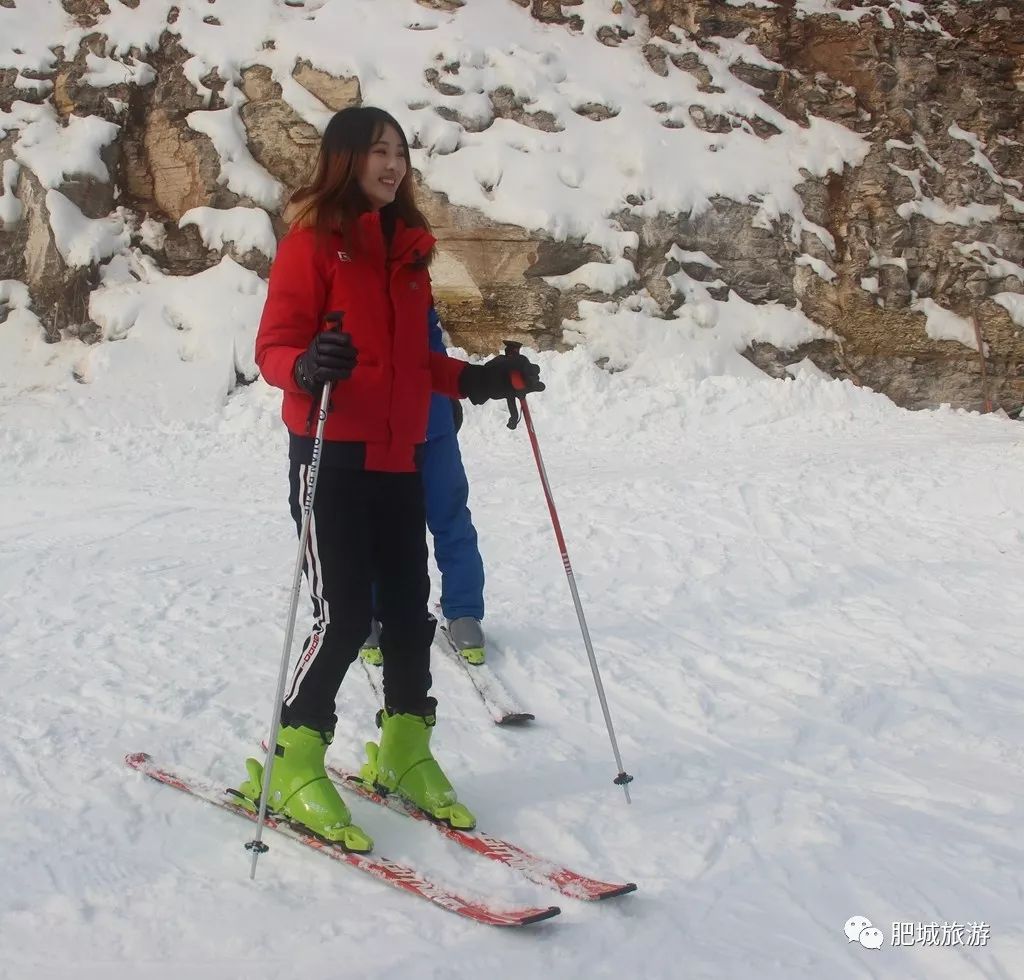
column 515, row 718
column 136, row 759
column 625, row 889
column 539, row 916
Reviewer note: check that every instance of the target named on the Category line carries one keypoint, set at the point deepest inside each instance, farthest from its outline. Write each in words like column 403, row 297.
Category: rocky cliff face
column 911, row 258
column 935, row 210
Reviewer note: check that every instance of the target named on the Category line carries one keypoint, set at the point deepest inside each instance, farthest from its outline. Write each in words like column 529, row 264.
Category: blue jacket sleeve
column 441, row 422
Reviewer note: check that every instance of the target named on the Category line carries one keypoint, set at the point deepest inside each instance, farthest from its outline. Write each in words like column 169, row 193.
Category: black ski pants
column 366, row 527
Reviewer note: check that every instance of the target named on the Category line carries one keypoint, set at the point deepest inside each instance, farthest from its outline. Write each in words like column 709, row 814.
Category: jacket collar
column 408, row 245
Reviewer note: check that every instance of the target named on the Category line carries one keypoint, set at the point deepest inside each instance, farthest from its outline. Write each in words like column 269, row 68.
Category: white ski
column 502, row 706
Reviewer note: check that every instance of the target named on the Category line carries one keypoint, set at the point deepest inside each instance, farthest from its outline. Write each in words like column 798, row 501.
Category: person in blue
column 450, row 522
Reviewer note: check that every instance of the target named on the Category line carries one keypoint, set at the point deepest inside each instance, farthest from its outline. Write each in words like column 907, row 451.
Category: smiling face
column 384, row 169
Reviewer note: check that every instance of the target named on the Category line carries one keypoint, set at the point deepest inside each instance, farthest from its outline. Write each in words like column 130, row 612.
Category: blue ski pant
column 456, row 551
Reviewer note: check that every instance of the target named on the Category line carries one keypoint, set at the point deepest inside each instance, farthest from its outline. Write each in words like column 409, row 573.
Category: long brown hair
column 333, row 199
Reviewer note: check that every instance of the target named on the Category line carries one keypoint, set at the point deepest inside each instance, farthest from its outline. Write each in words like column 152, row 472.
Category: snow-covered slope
column 804, row 601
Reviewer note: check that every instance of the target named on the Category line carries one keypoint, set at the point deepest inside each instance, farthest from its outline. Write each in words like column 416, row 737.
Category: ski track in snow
column 805, row 604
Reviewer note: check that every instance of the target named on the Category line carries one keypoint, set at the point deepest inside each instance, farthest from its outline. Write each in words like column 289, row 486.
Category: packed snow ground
column 806, row 605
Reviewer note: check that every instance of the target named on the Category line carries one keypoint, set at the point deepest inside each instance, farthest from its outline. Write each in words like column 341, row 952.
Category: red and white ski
column 381, row 868
column 543, row 872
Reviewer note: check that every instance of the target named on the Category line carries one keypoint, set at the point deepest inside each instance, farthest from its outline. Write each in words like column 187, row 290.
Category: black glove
column 457, row 414
column 330, row 357
column 481, row 382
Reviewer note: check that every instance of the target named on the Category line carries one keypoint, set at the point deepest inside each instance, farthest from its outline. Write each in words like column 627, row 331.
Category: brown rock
column 181, row 167
column 482, row 280
column 279, row 138
column 60, row 296
column 85, row 12
column 335, row 93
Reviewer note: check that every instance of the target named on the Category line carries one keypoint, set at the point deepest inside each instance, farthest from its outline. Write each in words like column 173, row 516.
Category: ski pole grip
column 335, row 319
column 514, row 347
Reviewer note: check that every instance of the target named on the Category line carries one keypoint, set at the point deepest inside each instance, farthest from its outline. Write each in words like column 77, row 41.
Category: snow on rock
column 915, row 16
column 199, row 329
column 703, row 339
column 1013, row 303
column 698, row 258
column 33, row 370
column 10, row 207
column 14, row 294
column 245, row 228
column 30, row 31
column 127, row 27
column 54, row 151
column 820, row 267
column 942, row 213
column 978, row 157
column 103, row 72
column 602, row 277
column 153, row 233
column 80, row 240
column 990, row 258
column 238, row 169
column 942, row 324
column 807, row 369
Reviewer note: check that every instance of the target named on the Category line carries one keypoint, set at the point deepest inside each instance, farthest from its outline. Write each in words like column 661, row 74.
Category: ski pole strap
column 514, row 347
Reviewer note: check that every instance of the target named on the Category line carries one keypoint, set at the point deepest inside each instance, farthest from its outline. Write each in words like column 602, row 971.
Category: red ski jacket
column 381, row 411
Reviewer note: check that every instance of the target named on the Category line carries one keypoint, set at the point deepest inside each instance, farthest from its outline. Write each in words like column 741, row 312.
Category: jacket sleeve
column 445, row 371
column 291, row 314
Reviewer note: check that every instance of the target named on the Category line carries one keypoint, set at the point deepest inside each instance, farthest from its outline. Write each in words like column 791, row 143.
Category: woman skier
column 358, row 245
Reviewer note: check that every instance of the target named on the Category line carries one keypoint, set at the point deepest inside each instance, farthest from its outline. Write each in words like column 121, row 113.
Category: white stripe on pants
column 321, row 607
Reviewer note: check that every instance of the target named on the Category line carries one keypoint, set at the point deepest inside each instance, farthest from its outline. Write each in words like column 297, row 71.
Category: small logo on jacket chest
column 344, row 256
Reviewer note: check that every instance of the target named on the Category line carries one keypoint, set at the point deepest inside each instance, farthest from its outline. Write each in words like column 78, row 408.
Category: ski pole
column 623, row 778
column 256, row 845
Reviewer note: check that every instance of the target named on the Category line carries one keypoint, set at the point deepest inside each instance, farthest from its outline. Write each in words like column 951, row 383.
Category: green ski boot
column 301, row 790
column 402, row 764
